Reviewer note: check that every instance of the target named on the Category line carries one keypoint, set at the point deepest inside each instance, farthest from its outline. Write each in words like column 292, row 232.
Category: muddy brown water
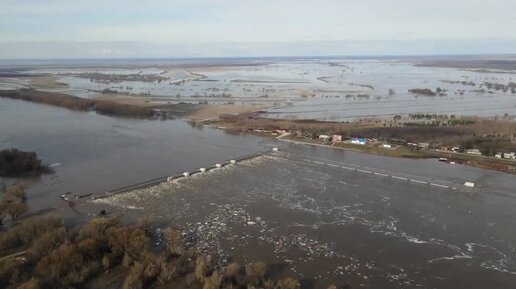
column 331, row 225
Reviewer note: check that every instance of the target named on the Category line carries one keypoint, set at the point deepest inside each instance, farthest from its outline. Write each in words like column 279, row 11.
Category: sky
column 238, row 28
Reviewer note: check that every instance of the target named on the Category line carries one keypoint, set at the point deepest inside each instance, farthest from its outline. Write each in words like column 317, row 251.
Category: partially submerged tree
column 16, row 209
column 13, row 203
column 16, row 163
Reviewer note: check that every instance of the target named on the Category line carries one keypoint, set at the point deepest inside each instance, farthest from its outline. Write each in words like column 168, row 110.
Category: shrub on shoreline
column 16, row 163
column 57, row 257
column 423, row 91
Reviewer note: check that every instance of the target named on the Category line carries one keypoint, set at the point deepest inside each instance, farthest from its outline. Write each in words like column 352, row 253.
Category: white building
column 475, row 152
column 324, row 137
column 510, row 156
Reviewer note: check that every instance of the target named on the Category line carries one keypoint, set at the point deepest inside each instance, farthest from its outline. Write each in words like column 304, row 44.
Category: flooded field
column 308, row 213
column 324, row 89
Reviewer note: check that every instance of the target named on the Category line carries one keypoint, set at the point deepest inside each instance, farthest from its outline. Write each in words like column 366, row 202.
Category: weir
column 186, row 174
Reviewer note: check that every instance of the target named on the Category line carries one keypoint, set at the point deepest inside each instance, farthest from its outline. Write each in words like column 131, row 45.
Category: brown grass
column 46, row 81
column 214, row 111
column 79, row 104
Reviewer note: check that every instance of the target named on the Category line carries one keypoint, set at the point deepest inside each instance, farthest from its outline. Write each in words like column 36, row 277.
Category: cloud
column 147, row 49
column 103, row 52
column 173, row 23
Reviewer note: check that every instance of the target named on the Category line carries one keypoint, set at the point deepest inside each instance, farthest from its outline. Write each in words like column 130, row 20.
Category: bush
column 174, row 243
column 25, row 232
column 16, row 163
column 256, row 270
column 113, row 108
column 97, row 228
column 67, row 266
column 15, row 210
column 422, row 91
column 288, row 283
column 131, row 241
column 63, row 258
column 33, row 283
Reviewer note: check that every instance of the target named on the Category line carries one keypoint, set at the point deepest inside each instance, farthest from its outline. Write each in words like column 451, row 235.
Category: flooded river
column 322, row 215
column 328, row 89
column 305, row 210
column 91, row 153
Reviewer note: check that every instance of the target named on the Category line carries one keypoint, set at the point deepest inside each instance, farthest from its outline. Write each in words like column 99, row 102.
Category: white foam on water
column 55, row 165
column 287, row 193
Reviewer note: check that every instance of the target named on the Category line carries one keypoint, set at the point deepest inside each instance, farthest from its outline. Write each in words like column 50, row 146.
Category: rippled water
column 347, row 226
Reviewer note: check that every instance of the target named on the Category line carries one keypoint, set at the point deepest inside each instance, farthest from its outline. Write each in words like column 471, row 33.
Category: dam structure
column 186, row 174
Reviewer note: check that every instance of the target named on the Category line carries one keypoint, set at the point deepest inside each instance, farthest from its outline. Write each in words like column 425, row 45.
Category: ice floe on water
column 287, row 205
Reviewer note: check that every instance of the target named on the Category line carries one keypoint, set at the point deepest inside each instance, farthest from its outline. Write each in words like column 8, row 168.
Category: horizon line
column 263, row 57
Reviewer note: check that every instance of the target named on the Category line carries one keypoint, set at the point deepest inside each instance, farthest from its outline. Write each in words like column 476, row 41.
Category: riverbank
column 479, row 135
column 401, row 152
column 130, row 106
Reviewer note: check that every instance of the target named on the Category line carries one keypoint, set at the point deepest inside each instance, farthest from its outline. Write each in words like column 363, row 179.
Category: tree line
column 58, row 257
column 79, row 104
